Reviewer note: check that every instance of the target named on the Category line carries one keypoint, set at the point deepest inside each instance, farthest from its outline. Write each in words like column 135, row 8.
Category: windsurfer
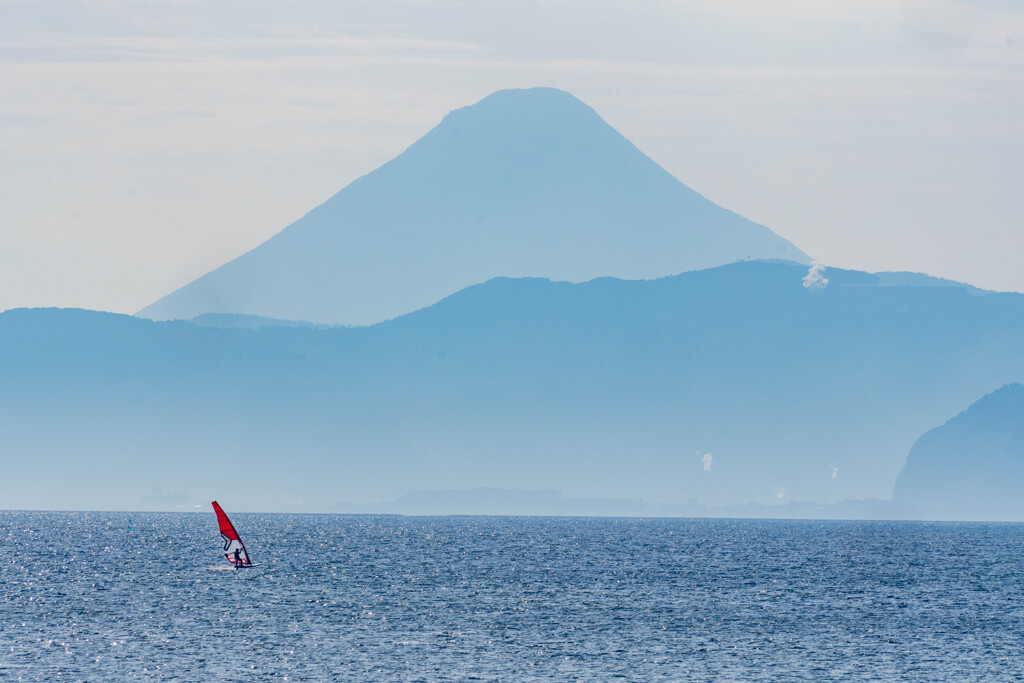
column 234, row 549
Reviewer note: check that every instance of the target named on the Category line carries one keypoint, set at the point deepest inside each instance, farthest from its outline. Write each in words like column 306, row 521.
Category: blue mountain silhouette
column 971, row 467
column 609, row 388
column 523, row 183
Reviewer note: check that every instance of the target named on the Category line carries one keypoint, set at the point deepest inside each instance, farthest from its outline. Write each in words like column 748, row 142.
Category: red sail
column 226, row 527
column 232, row 541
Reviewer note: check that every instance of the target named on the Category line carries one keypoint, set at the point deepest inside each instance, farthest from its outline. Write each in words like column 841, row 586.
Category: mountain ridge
column 607, row 389
column 523, row 183
column 972, row 465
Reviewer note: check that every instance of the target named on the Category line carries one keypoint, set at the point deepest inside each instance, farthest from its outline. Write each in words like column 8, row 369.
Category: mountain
column 726, row 386
column 971, row 467
column 248, row 321
column 523, row 183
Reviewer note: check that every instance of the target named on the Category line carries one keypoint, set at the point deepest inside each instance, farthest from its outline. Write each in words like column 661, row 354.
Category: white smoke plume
column 706, row 459
column 780, row 492
column 835, row 471
column 814, row 278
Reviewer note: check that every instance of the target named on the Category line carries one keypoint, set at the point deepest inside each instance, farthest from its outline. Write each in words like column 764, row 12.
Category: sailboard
column 232, row 541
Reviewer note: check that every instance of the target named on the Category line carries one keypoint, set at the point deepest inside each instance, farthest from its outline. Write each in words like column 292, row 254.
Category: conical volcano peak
column 540, row 133
column 537, row 107
column 523, row 183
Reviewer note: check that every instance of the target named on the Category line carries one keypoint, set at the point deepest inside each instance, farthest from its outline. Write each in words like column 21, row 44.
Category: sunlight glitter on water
column 391, row 598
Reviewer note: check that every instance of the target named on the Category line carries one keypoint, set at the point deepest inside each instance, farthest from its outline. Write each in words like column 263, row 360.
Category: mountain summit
column 523, row 183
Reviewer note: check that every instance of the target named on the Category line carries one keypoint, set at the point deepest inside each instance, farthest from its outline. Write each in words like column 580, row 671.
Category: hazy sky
column 144, row 143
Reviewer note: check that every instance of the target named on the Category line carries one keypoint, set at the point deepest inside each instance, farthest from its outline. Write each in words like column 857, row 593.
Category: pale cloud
column 951, row 15
column 801, row 10
column 944, row 26
column 257, row 49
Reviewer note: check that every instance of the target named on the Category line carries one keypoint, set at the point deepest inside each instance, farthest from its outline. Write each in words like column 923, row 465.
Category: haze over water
column 500, row 598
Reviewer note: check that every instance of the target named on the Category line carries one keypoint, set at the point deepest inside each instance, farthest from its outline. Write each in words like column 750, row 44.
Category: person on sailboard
column 238, row 559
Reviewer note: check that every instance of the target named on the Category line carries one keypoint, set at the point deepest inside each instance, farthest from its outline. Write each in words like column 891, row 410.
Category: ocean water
column 531, row 599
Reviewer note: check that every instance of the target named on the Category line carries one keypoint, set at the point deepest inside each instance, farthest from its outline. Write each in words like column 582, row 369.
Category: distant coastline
column 486, row 501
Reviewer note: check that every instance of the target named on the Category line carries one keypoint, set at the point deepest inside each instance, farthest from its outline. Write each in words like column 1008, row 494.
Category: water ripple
column 392, row 598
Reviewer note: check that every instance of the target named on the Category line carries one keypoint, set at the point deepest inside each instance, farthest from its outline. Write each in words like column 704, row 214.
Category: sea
column 84, row 597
